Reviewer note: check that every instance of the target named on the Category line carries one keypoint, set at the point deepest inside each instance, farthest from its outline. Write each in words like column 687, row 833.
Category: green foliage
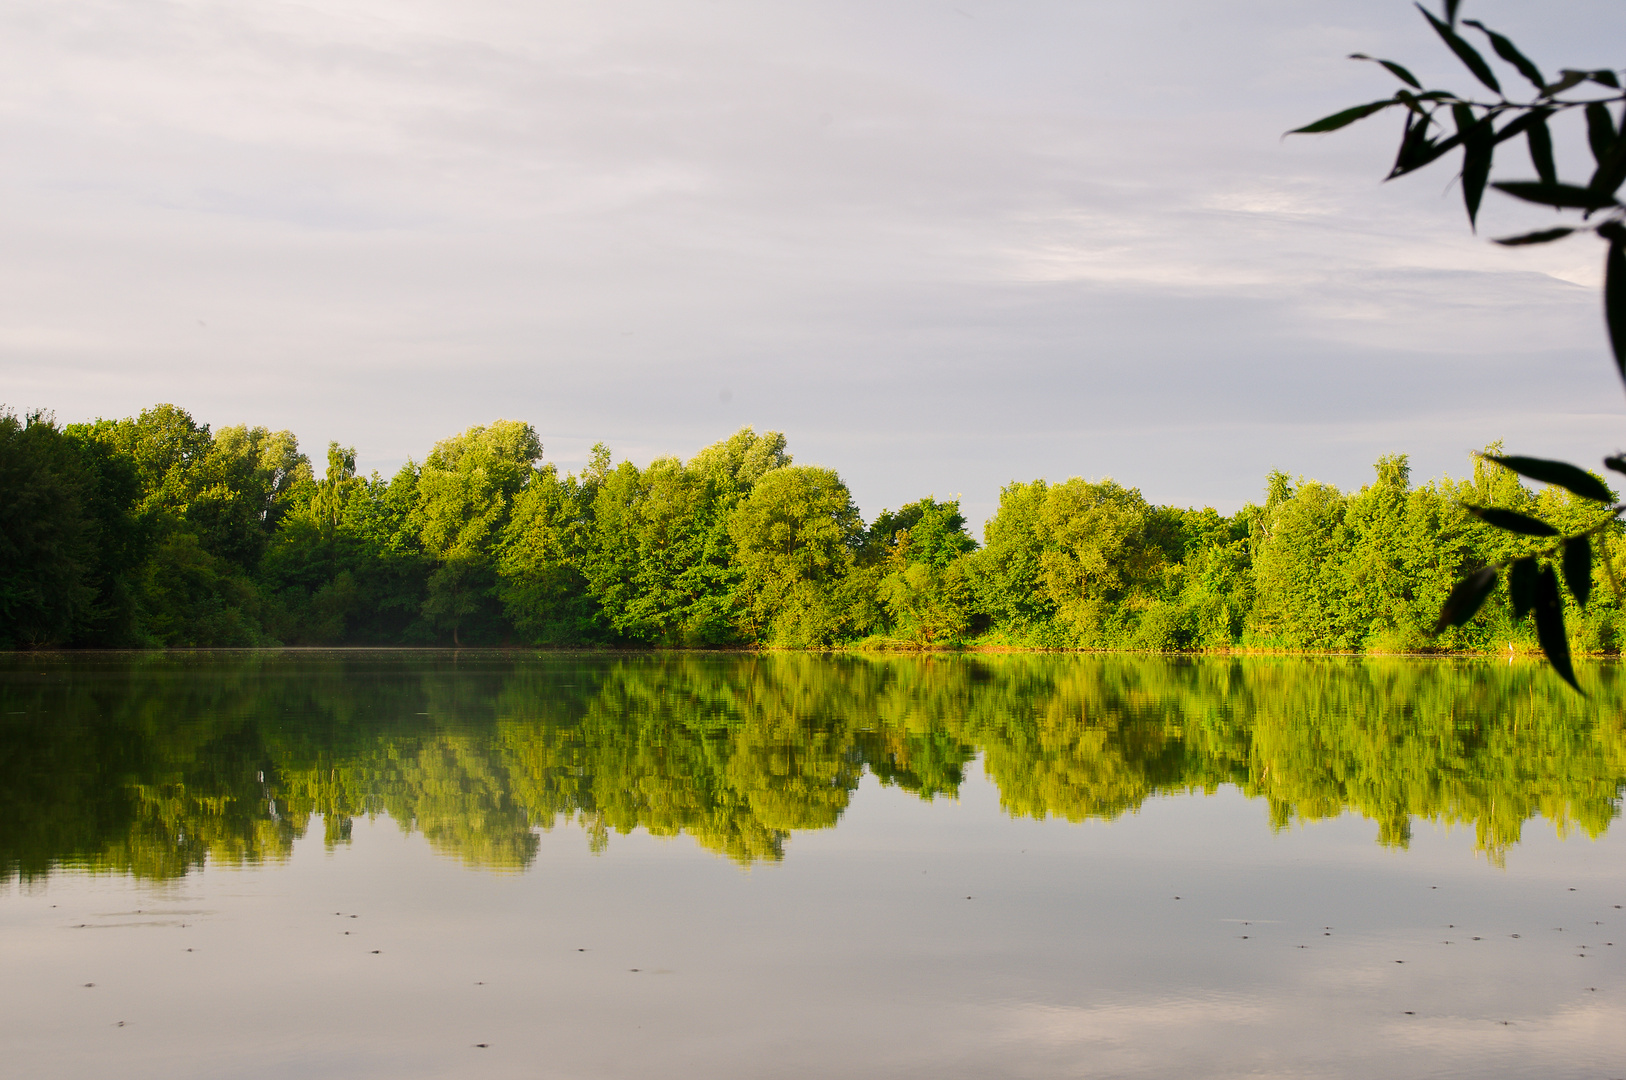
column 796, row 538
column 654, row 545
column 924, row 586
column 1215, row 582
column 119, row 545
column 933, row 531
column 46, row 535
column 155, row 531
column 464, row 495
column 1007, row 576
column 541, row 582
column 466, row 488
column 1299, row 551
column 1084, row 564
column 929, row 604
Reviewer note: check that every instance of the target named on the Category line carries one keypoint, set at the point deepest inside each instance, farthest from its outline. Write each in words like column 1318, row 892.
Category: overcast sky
column 941, row 245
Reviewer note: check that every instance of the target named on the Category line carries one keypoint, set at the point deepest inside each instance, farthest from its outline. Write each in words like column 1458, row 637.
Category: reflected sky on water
column 798, row 866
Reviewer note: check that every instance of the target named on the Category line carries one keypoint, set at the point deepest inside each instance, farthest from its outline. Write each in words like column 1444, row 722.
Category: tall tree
column 926, row 588
column 796, row 536
column 45, row 533
column 465, row 492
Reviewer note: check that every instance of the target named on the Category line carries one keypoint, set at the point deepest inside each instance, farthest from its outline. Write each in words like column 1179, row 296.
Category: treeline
column 156, row 531
column 158, row 764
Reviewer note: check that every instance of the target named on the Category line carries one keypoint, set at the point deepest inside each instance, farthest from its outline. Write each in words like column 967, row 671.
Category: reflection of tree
column 1468, row 743
column 155, row 765
column 1087, row 742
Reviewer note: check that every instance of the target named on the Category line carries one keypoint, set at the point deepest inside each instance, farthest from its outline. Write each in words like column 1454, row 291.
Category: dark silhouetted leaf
column 1541, row 148
column 1506, row 50
column 1566, row 79
column 1565, row 196
column 1394, row 69
column 1417, row 149
column 1519, row 125
column 1614, row 298
column 1611, row 171
column 1478, row 146
column 1567, row 476
column 1451, row 11
column 1604, row 77
column 1550, row 625
column 1466, row 599
column 1616, row 462
column 1578, row 568
column 1600, row 131
column 1521, row 587
column 1344, row 119
column 1476, row 167
column 1542, row 236
column 1465, row 52
column 1511, row 520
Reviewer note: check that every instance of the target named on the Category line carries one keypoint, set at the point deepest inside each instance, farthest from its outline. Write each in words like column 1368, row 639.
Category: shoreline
column 1532, row 654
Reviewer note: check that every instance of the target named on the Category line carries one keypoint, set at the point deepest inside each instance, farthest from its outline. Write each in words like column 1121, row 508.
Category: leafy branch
column 1532, row 579
column 1478, row 128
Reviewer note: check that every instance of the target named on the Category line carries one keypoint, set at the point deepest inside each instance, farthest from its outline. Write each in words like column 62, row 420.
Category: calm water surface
column 504, row 865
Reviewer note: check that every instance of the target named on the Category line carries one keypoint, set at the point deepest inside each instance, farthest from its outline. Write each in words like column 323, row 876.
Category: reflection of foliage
column 154, row 765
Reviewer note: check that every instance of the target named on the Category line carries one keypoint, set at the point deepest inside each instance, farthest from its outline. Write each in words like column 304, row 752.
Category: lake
column 478, row 864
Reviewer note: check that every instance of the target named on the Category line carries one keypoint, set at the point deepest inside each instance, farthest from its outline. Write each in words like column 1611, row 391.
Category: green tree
column 936, row 531
column 119, row 547
column 541, row 582
column 182, row 555
column 464, row 496
column 651, row 527
column 1215, row 586
column 45, row 533
column 345, row 564
column 467, row 485
column 659, row 556
column 329, row 500
column 1298, row 559
column 1105, row 552
column 796, row 536
column 926, row 589
column 230, row 488
column 193, row 598
column 1006, row 574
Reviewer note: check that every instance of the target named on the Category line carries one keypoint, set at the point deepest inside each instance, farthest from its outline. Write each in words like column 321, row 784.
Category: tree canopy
column 158, row 531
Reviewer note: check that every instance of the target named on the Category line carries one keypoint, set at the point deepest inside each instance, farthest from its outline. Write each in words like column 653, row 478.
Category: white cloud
column 941, row 245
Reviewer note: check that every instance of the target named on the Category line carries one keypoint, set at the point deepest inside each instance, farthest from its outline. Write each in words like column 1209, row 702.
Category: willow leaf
column 1550, row 625
column 1467, row 598
column 1569, row 477
column 1512, row 521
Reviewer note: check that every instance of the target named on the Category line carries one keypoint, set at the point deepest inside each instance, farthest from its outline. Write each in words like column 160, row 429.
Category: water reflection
column 153, row 765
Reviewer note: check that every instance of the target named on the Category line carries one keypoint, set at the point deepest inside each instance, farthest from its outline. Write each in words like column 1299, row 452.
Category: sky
column 942, row 246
